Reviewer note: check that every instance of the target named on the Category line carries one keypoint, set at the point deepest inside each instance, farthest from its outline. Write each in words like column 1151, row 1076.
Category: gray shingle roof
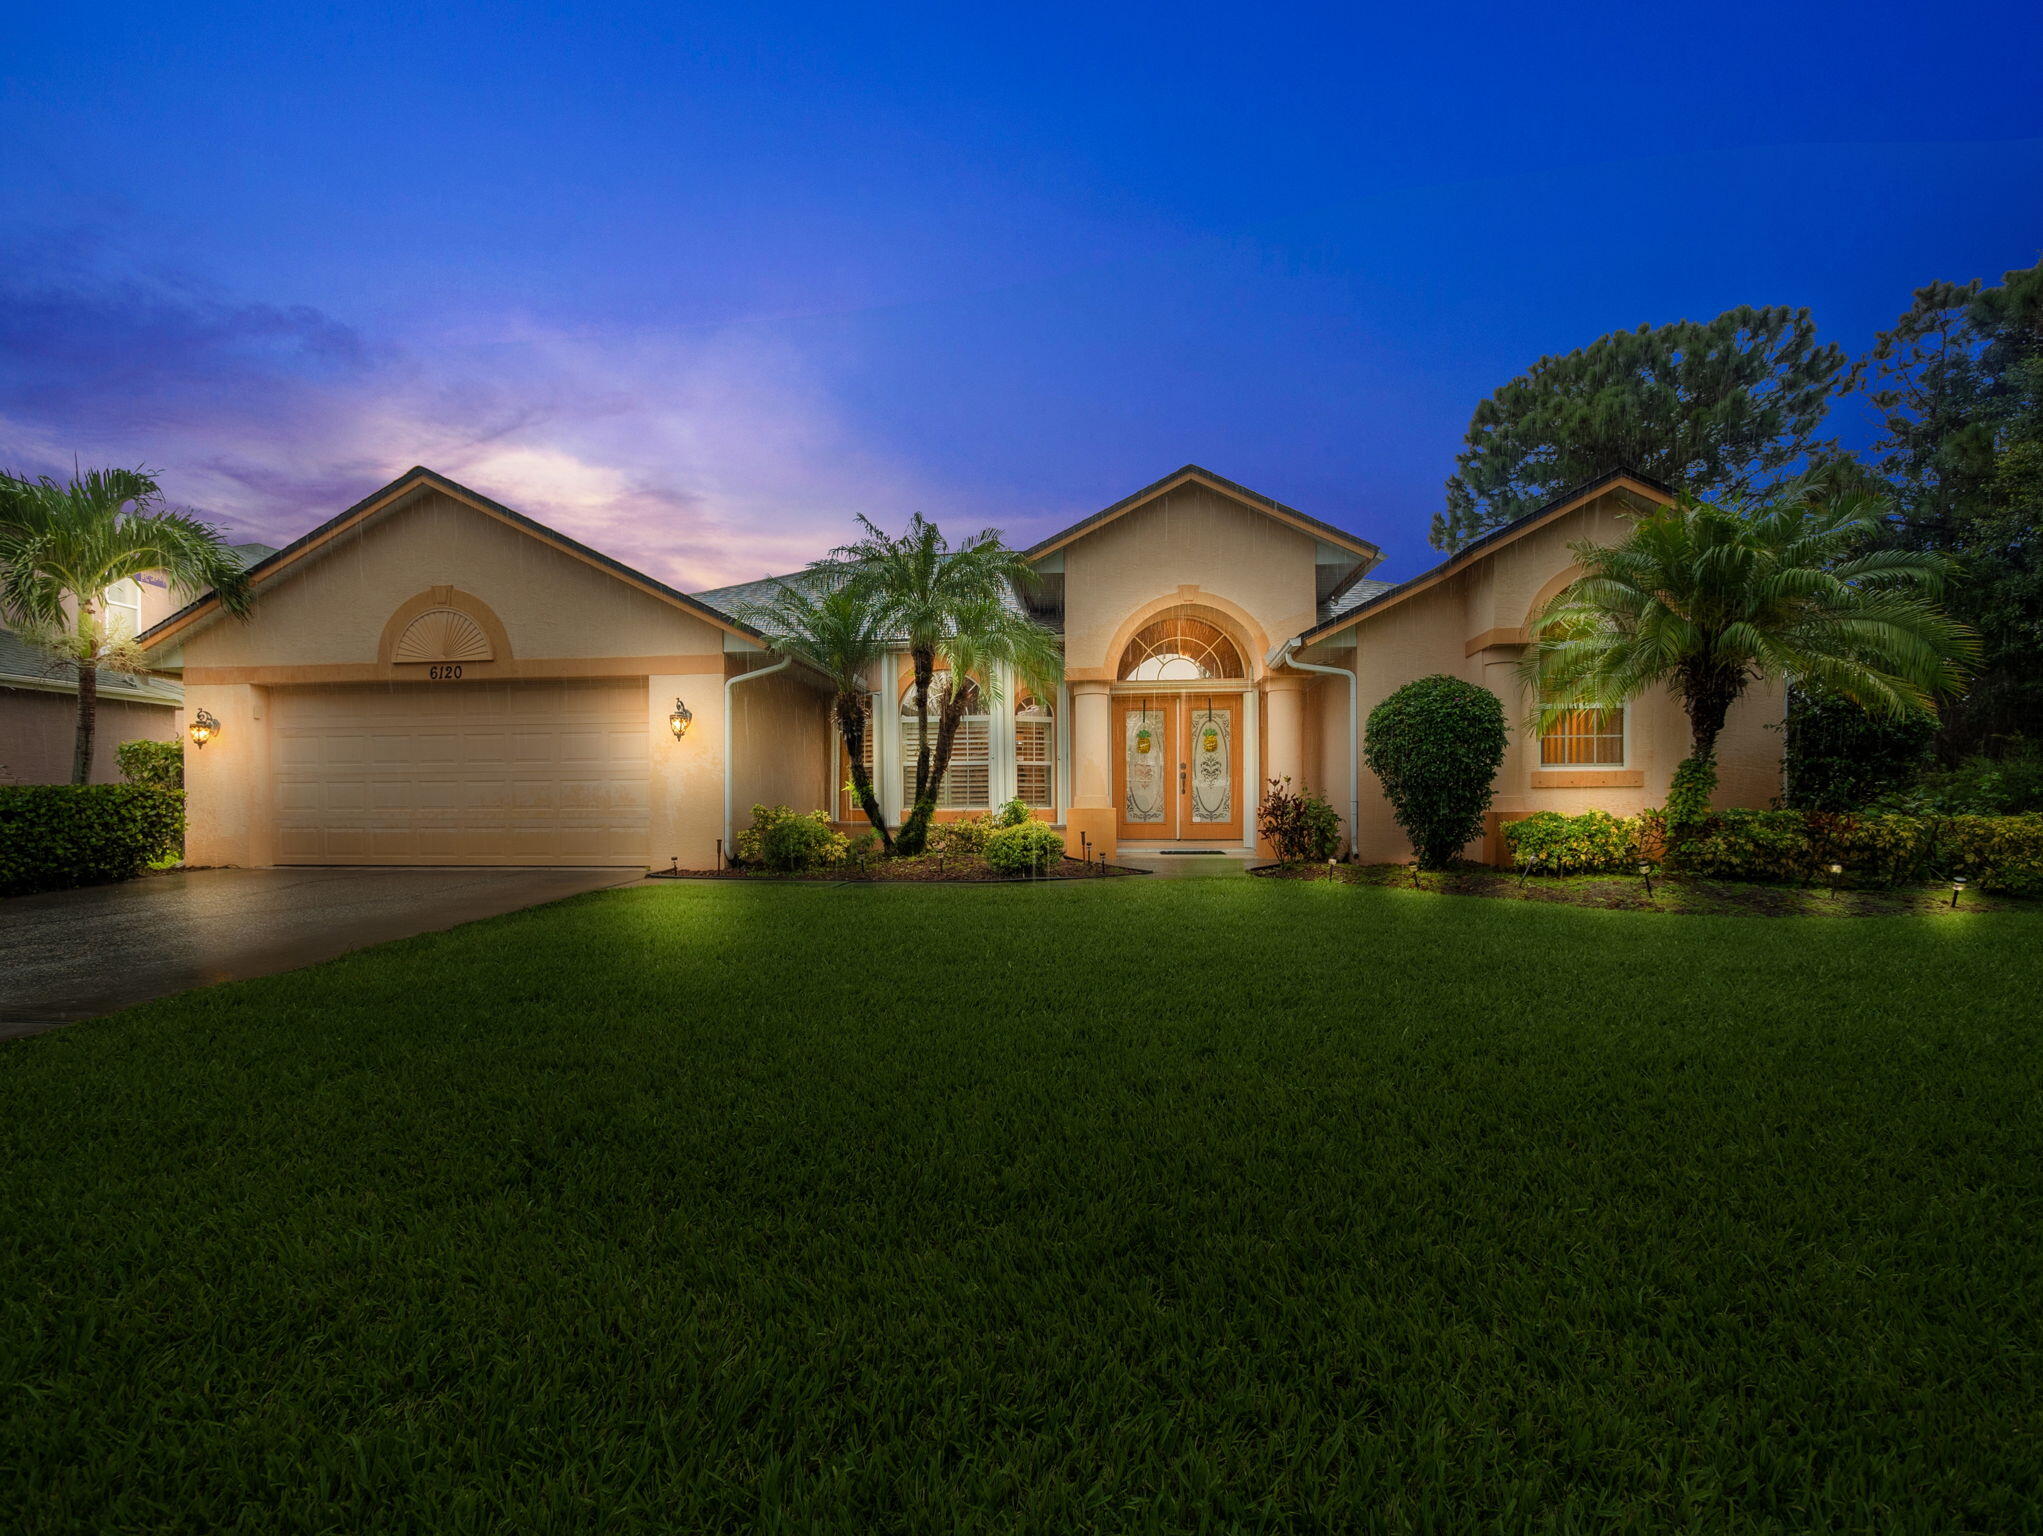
column 1357, row 593
column 22, row 662
column 725, row 599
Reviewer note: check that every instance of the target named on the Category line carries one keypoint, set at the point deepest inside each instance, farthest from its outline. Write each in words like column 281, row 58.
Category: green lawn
column 1197, row 1205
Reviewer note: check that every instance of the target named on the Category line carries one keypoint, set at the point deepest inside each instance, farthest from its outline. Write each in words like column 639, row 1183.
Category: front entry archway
column 1178, row 766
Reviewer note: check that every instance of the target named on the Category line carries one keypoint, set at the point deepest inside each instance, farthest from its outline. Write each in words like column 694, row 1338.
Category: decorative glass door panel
column 1177, row 767
column 1211, row 780
column 1147, row 767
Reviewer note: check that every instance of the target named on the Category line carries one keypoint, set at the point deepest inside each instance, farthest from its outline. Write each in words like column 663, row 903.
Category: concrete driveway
column 70, row 955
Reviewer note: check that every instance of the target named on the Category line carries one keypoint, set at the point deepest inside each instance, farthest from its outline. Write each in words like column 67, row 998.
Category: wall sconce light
column 203, row 728
column 679, row 721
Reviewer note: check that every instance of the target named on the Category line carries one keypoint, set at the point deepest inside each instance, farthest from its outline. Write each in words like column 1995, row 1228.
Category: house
column 39, row 693
column 433, row 678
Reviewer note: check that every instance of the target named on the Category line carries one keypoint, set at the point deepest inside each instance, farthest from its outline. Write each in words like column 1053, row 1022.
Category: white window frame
column 1048, row 762
column 905, row 735
column 113, row 601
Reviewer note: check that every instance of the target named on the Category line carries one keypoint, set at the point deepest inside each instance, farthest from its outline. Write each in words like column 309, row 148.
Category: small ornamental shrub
column 53, row 836
column 1012, row 814
column 1302, row 827
column 1593, row 843
column 788, row 841
column 159, row 764
column 863, row 849
column 1839, row 758
column 1748, row 845
column 956, row 839
column 1029, row 849
column 2003, row 853
column 1436, row 744
column 2011, row 785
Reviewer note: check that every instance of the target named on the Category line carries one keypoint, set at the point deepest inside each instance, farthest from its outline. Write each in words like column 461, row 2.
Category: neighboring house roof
column 1192, row 474
column 416, row 478
column 1388, row 596
column 28, row 666
column 1353, row 595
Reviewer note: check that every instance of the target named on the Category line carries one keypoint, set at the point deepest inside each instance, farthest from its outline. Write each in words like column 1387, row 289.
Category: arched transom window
column 1180, row 649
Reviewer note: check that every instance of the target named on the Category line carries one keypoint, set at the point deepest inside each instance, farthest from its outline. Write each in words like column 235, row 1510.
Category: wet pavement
column 70, row 955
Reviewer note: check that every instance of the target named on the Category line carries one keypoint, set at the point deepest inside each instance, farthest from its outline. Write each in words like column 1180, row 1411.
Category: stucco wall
column 782, row 747
column 1191, row 537
column 38, row 733
column 1487, row 607
column 332, row 606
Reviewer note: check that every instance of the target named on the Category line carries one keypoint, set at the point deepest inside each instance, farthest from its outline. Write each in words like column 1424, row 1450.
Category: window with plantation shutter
column 1035, row 754
column 848, row 807
column 968, row 782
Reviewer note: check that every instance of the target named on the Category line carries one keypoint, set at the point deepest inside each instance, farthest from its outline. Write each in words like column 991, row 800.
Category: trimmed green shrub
column 956, row 839
column 1839, row 758
column 1436, row 744
column 2010, row 785
column 1302, row 827
column 54, row 836
column 2003, row 853
column 1593, row 843
column 159, row 764
column 788, row 841
column 1012, row 814
column 1028, row 849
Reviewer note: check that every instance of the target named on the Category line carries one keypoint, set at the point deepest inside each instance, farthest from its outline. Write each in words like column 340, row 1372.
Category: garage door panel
column 524, row 773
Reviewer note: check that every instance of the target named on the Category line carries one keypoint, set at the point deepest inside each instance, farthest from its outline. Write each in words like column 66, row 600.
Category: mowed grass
column 1220, row 1205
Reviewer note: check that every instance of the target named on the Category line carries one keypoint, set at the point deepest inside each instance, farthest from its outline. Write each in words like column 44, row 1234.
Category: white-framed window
column 1035, row 753
column 848, row 808
column 1584, row 738
column 123, row 608
column 968, row 782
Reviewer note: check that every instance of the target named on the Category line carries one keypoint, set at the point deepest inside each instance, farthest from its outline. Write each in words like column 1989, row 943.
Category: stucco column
column 1284, row 738
column 1091, row 811
column 685, row 778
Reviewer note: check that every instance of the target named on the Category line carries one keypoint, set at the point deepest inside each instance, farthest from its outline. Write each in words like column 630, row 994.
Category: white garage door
column 461, row 773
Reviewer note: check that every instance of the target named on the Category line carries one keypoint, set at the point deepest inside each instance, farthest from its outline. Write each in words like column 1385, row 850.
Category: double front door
column 1177, row 766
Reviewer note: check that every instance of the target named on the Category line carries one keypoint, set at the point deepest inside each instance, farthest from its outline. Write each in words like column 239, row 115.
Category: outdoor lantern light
column 1836, row 877
column 1330, row 869
column 1957, row 888
column 203, row 728
column 1646, row 874
column 678, row 722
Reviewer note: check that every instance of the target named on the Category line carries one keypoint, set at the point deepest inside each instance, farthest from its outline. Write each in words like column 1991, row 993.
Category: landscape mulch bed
column 1671, row 894
column 924, row 870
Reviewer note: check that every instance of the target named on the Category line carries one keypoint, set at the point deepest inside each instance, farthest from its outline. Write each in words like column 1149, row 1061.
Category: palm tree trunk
column 950, row 716
column 852, row 725
column 915, row 830
column 88, row 722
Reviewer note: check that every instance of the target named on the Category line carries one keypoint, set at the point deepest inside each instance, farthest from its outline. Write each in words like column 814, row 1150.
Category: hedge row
column 57, row 835
column 2000, row 853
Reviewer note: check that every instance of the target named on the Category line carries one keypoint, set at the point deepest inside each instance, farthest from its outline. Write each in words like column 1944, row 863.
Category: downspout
column 1286, row 657
column 731, row 683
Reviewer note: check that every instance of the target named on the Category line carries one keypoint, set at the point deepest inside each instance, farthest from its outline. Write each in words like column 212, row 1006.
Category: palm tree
column 62, row 546
column 949, row 604
column 1708, row 600
column 844, row 637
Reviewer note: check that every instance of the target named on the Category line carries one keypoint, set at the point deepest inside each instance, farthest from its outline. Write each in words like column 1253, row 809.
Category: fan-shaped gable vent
column 443, row 634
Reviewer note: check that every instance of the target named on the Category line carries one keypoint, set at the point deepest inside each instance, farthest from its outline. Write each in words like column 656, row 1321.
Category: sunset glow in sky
column 698, row 284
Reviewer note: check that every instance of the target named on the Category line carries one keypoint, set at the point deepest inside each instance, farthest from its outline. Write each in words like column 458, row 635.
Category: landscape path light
column 1646, row 874
column 1957, row 888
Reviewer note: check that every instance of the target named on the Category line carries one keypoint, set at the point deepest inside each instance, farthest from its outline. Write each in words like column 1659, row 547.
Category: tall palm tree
column 843, row 636
column 62, row 546
column 948, row 603
column 1708, row 600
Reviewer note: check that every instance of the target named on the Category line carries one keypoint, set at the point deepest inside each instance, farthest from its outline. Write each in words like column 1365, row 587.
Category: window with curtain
column 968, row 782
column 1035, row 753
column 1584, row 738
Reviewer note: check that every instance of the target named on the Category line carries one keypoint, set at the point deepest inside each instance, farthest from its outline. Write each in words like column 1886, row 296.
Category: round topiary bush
column 1436, row 744
column 1028, row 849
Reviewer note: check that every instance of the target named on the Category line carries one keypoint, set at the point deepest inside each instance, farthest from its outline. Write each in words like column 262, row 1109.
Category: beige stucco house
column 433, row 678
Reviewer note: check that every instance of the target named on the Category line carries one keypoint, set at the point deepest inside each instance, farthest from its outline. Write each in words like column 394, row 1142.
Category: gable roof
column 1192, row 474
column 1568, row 501
column 418, row 477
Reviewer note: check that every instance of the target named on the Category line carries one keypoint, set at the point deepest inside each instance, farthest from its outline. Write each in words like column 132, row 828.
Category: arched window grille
column 1180, row 649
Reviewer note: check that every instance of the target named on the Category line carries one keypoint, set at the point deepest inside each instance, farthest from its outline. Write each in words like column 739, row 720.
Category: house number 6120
column 445, row 674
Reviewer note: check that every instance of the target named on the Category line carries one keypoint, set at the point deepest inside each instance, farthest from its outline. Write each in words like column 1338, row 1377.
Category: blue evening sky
column 697, row 284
